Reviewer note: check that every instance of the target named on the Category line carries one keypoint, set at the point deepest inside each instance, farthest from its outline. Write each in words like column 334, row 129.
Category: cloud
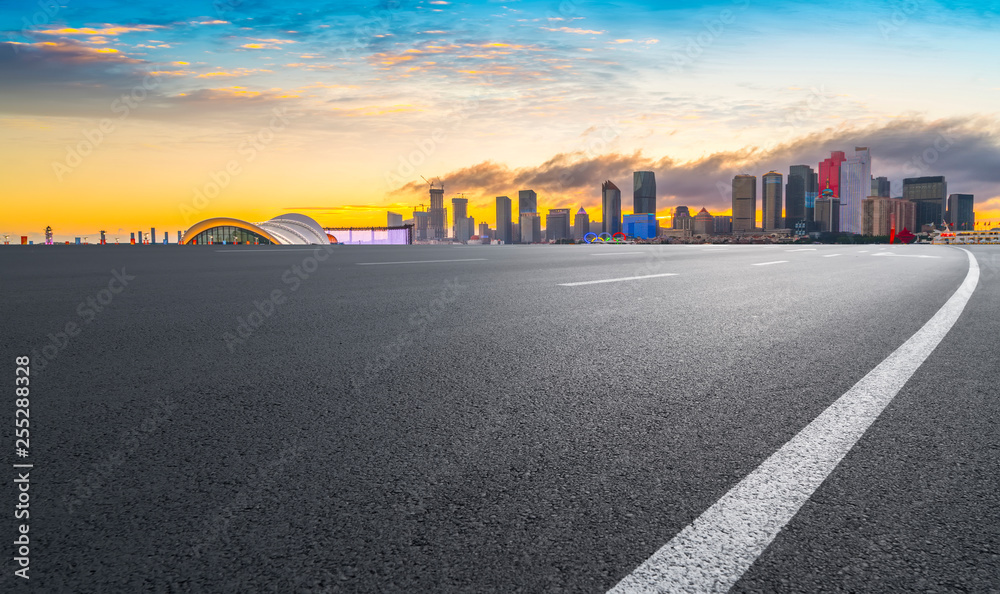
column 965, row 150
column 574, row 30
column 107, row 29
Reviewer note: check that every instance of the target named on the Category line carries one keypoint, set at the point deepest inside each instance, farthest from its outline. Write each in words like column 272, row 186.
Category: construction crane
column 431, row 183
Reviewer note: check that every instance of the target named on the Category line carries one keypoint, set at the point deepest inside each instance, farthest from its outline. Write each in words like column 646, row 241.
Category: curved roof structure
column 286, row 229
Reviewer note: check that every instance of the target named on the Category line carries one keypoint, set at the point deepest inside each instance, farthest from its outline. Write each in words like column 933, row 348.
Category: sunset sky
column 116, row 115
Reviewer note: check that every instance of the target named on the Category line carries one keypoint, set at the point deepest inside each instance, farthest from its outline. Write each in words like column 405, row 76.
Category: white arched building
column 286, row 229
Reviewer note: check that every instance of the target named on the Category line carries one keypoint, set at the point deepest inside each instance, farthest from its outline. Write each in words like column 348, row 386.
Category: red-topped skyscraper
column 829, row 172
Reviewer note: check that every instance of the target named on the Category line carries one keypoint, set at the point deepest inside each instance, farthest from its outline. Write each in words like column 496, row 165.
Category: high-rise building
column 643, row 192
column 463, row 229
column 611, row 205
column 581, row 224
column 527, row 201
column 485, row 231
column 504, row 227
column 104, row 238
column 152, row 235
column 393, row 219
column 828, row 212
column 800, row 195
column 437, row 217
column 744, row 203
column 179, row 238
column 531, row 227
column 459, row 210
column 421, row 219
column 704, row 223
column 961, row 212
column 880, row 187
column 829, row 172
column 929, row 194
column 682, row 219
column 48, row 236
column 771, row 201
column 880, row 213
column 855, row 185
column 723, row 224
column 557, row 224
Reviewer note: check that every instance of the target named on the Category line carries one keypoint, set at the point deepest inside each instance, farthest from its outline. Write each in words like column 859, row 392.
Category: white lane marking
column 830, row 255
column 615, row 280
column 904, row 255
column 418, row 261
column 250, row 250
column 618, row 254
column 802, row 250
column 715, row 550
column 768, row 263
column 863, row 252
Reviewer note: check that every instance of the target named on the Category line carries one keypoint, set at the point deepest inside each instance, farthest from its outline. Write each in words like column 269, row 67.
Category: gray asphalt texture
column 475, row 427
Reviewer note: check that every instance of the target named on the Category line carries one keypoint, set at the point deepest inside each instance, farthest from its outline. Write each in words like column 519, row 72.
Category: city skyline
column 120, row 117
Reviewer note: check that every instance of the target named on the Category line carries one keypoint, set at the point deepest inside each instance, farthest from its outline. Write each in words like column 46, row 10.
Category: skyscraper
column 531, row 227
column 828, row 212
column 504, row 230
column 682, row 218
column 829, row 172
column 772, row 202
column 459, row 210
column 611, row 204
column 527, row 201
column 643, row 192
column 421, row 219
column 557, row 224
column 929, row 193
column 880, row 187
column 581, row 224
column 744, row 203
column 800, row 195
column 393, row 219
column 436, row 215
column 855, row 184
column 704, row 223
column 961, row 215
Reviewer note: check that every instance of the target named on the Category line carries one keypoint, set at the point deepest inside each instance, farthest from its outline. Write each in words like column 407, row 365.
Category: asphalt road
column 366, row 419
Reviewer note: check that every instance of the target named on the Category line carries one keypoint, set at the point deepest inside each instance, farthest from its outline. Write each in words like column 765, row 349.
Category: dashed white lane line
column 862, row 251
column 618, row 254
column 802, row 250
column 904, row 255
column 615, row 280
column 830, row 255
column 715, row 550
column 419, row 261
column 769, row 263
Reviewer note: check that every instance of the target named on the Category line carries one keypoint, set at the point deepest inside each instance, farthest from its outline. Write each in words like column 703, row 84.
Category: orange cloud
column 107, row 29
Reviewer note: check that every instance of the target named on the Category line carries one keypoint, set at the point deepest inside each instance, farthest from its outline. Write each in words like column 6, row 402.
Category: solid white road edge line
column 615, row 280
column 715, row 550
column 768, row 263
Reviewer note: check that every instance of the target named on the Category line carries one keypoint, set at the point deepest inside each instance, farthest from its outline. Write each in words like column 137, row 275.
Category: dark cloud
column 965, row 150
